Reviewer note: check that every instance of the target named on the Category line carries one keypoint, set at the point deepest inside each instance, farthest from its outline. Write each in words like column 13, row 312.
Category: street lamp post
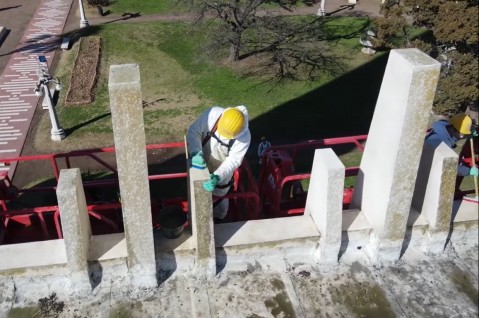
column 321, row 11
column 57, row 132
column 83, row 20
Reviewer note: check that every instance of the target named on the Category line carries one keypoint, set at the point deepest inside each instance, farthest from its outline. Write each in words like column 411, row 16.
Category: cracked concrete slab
column 416, row 286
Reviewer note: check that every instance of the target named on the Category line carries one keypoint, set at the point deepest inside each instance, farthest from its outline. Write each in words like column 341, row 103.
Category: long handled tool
column 473, row 160
column 186, row 147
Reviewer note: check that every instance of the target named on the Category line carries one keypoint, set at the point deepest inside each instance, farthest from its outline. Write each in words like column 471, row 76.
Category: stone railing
column 403, row 196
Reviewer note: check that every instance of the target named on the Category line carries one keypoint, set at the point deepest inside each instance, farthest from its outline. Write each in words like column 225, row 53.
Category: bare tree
column 237, row 15
column 284, row 46
column 300, row 49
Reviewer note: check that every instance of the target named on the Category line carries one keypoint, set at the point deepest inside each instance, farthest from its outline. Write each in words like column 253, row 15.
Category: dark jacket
column 438, row 134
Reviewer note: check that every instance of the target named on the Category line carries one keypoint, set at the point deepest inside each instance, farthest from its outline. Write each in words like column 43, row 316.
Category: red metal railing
column 245, row 186
column 21, row 215
column 275, row 178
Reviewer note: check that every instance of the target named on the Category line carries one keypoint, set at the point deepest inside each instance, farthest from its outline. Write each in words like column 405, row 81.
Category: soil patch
column 85, row 72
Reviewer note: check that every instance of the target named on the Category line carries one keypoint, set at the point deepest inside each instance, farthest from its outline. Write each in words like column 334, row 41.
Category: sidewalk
column 17, row 82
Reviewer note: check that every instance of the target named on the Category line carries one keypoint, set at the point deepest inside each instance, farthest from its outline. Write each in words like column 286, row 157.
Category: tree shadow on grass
column 343, row 107
column 70, row 130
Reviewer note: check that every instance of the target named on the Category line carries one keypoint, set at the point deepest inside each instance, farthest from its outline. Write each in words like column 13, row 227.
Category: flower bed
column 85, row 72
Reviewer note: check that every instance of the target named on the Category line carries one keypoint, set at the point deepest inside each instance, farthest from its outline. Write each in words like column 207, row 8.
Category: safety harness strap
column 212, row 134
column 208, row 135
column 224, row 186
column 229, row 145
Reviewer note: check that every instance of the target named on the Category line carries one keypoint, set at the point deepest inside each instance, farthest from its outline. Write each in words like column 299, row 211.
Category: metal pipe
column 83, row 20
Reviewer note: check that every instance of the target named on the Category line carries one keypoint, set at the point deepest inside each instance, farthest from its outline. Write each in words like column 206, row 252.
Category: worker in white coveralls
column 262, row 147
column 218, row 140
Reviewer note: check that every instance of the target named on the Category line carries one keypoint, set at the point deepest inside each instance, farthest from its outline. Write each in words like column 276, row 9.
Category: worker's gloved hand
column 473, row 172
column 198, row 161
column 211, row 184
column 474, row 133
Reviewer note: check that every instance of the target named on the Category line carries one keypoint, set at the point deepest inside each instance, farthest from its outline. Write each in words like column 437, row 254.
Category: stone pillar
column 389, row 165
column 129, row 135
column 201, row 222
column 434, row 192
column 75, row 226
column 325, row 202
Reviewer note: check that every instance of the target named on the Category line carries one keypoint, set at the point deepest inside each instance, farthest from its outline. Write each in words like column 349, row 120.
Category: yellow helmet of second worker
column 231, row 123
column 462, row 123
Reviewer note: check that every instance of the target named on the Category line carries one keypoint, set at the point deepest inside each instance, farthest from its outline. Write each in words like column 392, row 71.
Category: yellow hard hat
column 462, row 123
column 231, row 123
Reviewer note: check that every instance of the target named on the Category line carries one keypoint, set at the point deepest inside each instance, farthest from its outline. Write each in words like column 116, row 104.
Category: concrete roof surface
column 416, row 286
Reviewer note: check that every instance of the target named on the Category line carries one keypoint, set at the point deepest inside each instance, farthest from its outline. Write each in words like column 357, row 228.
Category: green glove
column 198, row 161
column 474, row 133
column 473, row 172
column 211, row 184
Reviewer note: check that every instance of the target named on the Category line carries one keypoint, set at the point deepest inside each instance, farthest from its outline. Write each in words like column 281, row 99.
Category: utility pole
column 57, row 132
column 83, row 20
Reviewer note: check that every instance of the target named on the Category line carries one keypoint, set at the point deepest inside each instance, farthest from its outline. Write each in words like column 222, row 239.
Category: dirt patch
column 85, row 72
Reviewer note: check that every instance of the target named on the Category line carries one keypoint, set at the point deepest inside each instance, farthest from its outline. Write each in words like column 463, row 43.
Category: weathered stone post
column 129, row 135
column 434, row 192
column 325, row 202
column 75, row 226
column 201, row 222
column 389, row 165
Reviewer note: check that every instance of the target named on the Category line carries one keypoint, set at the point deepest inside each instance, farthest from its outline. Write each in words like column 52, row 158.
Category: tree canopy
column 451, row 38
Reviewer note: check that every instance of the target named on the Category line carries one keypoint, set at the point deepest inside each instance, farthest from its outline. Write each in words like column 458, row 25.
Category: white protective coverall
column 218, row 160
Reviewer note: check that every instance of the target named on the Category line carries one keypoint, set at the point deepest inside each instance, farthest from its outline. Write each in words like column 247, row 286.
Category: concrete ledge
column 465, row 224
column 354, row 220
column 109, row 246
column 34, row 254
column 186, row 242
column 265, row 231
column 355, row 235
column 465, row 210
column 416, row 219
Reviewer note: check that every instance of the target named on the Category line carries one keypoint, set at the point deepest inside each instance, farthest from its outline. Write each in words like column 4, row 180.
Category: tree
column 237, row 15
column 284, row 46
column 391, row 28
column 452, row 40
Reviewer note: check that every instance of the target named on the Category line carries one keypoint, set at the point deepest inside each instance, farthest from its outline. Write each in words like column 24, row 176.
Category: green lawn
column 179, row 81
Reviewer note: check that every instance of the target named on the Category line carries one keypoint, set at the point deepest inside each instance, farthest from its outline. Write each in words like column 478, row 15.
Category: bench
column 65, row 44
